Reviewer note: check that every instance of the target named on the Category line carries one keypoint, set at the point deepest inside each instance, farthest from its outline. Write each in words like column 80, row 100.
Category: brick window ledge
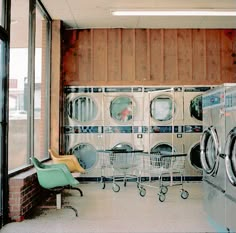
column 25, row 193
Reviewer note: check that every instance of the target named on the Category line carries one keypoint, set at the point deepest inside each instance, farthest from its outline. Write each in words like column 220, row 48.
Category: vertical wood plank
column 226, row 56
column 84, row 55
column 140, row 54
column 184, row 41
column 156, row 55
column 114, row 55
column 70, row 58
column 213, row 62
column 170, row 56
column 198, row 55
column 127, row 55
column 100, row 54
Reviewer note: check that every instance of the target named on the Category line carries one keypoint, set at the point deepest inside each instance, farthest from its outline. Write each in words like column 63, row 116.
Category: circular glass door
column 195, row 107
column 162, row 108
column 195, row 157
column 156, row 152
column 230, row 159
column 86, row 155
column 209, row 147
column 122, row 109
column 123, row 146
column 82, row 109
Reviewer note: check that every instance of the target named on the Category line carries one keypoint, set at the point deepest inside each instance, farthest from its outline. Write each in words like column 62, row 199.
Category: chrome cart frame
column 162, row 167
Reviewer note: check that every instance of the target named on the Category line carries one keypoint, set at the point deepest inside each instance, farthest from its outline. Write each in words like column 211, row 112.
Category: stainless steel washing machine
column 212, row 159
column 193, row 128
column 230, row 159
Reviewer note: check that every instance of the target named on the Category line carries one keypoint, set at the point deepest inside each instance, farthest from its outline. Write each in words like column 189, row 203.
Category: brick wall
column 24, row 194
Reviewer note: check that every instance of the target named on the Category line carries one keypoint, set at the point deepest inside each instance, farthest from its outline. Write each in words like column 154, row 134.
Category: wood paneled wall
column 148, row 56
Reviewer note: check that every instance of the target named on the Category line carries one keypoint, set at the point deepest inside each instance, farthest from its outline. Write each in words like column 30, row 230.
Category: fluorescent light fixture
column 187, row 12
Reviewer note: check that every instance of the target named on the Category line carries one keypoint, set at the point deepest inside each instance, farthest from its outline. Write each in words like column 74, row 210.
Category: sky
column 19, row 65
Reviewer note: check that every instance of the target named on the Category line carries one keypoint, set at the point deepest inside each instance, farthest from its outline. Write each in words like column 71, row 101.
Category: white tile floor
column 126, row 211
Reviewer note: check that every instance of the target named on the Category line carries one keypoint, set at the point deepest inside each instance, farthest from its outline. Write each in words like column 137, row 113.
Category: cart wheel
column 103, row 185
column 184, row 194
column 164, row 189
column 142, row 192
column 115, row 188
column 162, row 197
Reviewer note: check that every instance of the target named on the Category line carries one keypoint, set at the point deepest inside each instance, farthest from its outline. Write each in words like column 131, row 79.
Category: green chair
column 55, row 178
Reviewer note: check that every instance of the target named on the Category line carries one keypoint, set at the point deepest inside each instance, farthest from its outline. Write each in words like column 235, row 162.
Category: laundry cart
column 124, row 165
column 164, row 170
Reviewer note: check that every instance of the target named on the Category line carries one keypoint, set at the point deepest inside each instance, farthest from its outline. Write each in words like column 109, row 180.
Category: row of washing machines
column 218, row 156
column 152, row 119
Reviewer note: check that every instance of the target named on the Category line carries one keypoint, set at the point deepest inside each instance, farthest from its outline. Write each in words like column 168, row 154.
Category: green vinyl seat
column 55, row 178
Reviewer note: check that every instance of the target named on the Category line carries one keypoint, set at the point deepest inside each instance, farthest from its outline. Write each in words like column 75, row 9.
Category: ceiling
column 97, row 13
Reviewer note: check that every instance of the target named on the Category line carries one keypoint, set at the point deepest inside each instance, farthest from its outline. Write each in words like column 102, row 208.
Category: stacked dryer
column 83, row 124
column 193, row 128
column 212, row 150
column 164, row 118
column 123, row 118
column 230, row 159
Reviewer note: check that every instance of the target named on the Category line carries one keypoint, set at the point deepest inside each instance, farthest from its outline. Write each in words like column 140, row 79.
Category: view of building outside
column 17, row 144
column 1, row 15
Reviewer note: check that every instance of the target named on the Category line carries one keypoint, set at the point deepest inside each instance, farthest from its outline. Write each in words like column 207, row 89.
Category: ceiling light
column 187, row 12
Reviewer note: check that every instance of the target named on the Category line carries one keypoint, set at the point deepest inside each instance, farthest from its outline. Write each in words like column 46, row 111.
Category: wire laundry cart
column 165, row 166
column 124, row 165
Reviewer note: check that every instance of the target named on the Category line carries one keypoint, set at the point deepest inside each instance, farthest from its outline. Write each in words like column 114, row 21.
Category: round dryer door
column 195, row 156
column 209, row 147
column 122, row 109
column 86, row 155
column 123, row 146
column 230, row 159
column 82, row 109
column 157, row 150
column 162, row 108
column 195, row 107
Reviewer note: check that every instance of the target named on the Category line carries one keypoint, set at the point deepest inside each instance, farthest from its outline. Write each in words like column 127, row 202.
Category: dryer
column 83, row 106
column 123, row 117
column 165, row 105
column 83, row 124
column 164, row 119
column 212, row 148
column 193, row 128
column 230, row 159
column 84, row 144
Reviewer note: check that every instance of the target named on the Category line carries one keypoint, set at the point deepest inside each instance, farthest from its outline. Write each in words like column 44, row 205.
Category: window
column 18, row 85
column 29, row 78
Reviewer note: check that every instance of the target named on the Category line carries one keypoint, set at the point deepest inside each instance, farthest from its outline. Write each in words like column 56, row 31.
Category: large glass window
column 18, row 85
column 29, row 75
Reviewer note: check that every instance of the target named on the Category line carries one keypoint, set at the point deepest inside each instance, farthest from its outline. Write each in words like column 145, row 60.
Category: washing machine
column 83, row 124
column 123, row 117
column 230, row 159
column 212, row 159
column 193, row 129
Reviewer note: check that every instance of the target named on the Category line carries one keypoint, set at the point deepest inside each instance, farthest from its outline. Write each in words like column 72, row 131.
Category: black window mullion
column 31, row 78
